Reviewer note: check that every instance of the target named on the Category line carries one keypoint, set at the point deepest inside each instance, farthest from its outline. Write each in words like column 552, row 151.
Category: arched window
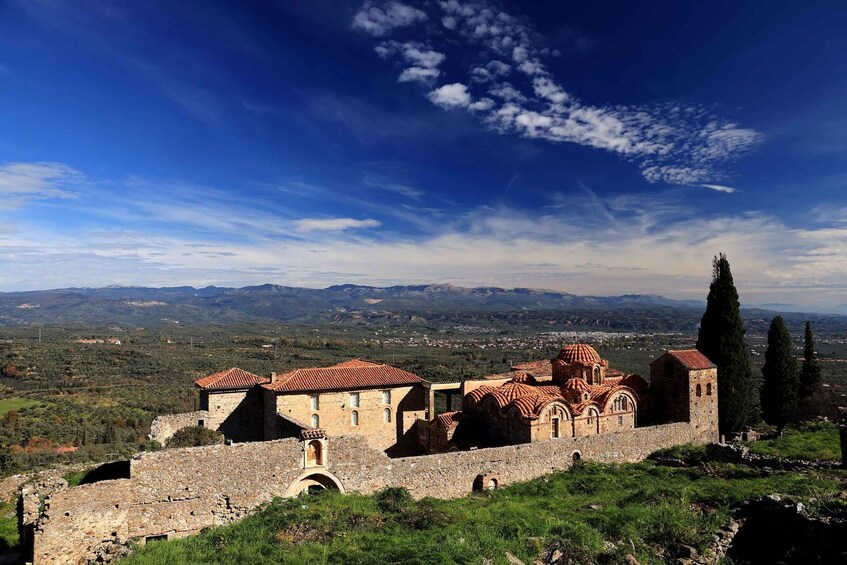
column 386, row 415
column 624, row 404
column 354, row 418
column 315, row 421
column 708, row 389
column 699, row 391
column 597, row 375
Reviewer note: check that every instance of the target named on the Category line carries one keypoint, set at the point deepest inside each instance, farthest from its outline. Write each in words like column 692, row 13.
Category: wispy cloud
column 334, row 224
column 381, row 19
column 511, row 90
column 24, row 182
column 720, row 188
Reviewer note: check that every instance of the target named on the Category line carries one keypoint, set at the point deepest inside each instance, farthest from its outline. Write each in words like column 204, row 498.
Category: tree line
column 742, row 402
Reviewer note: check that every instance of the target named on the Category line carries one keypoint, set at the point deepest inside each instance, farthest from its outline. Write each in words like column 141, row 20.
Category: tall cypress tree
column 810, row 374
column 781, row 386
column 722, row 339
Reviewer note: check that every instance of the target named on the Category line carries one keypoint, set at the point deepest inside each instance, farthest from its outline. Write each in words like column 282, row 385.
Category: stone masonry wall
column 335, row 412
column 178, row 492
column 163, row 427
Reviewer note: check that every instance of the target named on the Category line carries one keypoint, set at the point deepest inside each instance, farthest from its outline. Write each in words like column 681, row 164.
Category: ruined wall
column 163, row 427
column 178, row 492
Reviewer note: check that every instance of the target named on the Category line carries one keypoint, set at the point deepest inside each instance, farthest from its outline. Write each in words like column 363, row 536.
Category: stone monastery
column 362, row 426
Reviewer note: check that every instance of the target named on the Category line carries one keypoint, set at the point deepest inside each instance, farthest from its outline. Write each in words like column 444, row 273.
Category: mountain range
column 433, row 304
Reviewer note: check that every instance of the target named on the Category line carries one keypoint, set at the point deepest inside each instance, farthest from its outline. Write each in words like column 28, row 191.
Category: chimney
column 273, row 377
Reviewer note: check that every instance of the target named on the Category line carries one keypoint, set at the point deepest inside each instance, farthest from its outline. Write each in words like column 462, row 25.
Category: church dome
column 581, row 353
column 576, row 385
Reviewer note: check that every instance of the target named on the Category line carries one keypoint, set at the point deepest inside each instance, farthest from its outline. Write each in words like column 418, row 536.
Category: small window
column 386, row 415
column 163, row 537
column 354, row 399
column 620, row 420
column 201, row 423
column 699, row 391
column 314, row 402
column 315, row 421
column 386, row 397
column 624, row 403
column 708, row 389
column 354, row 418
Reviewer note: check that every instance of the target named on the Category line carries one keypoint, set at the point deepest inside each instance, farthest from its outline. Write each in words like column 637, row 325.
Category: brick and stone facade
column 175, row 493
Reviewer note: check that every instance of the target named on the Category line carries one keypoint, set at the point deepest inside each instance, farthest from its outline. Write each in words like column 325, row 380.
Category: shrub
column 393, row 500
column 194, row 436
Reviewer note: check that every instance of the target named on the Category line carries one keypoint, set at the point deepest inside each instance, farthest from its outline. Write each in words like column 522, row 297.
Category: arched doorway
column 312, row 481
column 314, row 453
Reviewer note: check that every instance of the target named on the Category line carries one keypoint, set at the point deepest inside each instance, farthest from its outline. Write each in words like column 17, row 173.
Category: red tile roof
column 448, row 420
column 580, row 353
column 230, row 379
column 351, row 375
column 692, row 359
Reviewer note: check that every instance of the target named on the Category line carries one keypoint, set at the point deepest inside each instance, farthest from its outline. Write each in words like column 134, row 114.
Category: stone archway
column 314, row 479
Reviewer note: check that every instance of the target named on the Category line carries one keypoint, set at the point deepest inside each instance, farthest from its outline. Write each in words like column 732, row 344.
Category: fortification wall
column 163, row 427
column 178, row 492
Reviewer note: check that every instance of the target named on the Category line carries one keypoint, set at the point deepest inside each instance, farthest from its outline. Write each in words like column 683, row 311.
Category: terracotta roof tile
column 313, row 433
column 581, row 353
column 350, row 375
column 692, row 359
column 523, row 378
column 230, row 379
column 448, row 420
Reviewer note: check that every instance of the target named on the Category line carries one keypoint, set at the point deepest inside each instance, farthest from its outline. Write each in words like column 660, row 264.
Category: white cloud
column 451, row 96
column 482, row 105
column 381, row 19
column 720, row 188
column 670, row 143
column 173, row 234
column 23, row 182
column 419, row 74
column 333, row 224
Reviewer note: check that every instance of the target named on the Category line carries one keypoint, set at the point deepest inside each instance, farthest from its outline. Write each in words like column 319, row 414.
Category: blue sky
column 595, row 148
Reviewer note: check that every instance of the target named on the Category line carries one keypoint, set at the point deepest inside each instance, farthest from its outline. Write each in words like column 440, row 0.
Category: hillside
column 435, row 305
column 649, row 513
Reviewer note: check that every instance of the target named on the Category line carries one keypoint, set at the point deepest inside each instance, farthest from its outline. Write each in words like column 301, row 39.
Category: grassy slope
column 810, row 441
column 642, row 505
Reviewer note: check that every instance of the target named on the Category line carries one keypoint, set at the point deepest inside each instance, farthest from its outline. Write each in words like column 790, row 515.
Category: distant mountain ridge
column 427, row 303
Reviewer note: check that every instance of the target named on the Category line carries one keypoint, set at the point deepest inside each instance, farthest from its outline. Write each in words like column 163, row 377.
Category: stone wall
column 177, row 492
column 335, row 412
column 163, row 427
column 237, row 414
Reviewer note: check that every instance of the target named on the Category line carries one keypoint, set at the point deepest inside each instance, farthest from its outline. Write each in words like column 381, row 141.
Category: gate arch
column 314, row 478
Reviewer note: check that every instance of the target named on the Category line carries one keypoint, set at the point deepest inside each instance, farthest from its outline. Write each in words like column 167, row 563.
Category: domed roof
column 576, row 385
column 523, row 378
column 581, row 353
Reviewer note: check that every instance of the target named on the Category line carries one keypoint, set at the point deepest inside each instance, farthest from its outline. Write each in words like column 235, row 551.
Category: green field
column 9, row 404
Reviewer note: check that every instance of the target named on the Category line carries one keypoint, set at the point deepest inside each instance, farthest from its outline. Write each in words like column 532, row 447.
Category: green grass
column 8, row 527
column 9, row 404
column 643, row 504
column 818, row 440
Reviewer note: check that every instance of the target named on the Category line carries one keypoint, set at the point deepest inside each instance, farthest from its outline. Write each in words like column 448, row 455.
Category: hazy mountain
column 434, row 304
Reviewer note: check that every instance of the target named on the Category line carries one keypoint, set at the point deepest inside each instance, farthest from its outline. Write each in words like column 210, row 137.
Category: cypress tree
column 781, row 386
column 722, row 339
column 810, row 374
